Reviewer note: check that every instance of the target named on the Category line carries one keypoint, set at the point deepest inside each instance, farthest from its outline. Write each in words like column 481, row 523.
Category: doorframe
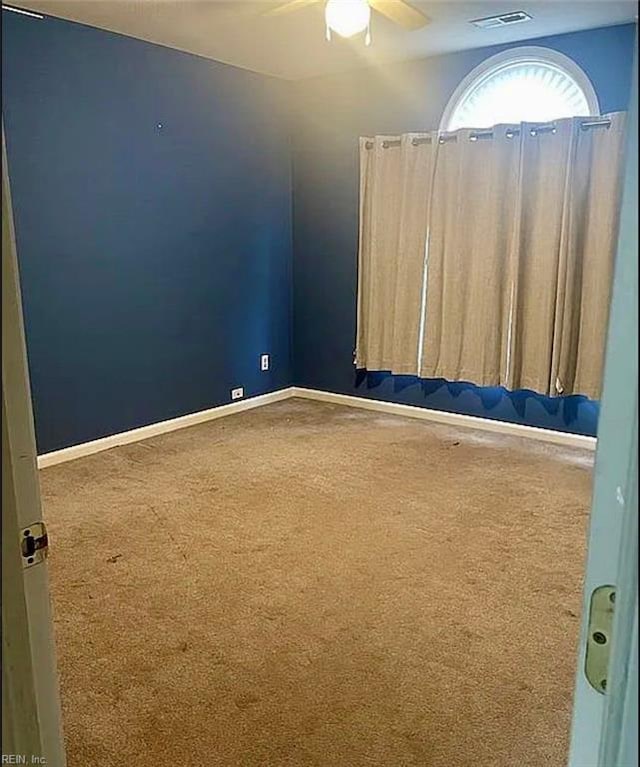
column 604, row 726
column 619, row 744
column 32, row 719
column 619, row 747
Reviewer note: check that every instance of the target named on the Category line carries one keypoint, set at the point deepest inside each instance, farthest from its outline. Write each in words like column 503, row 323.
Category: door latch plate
column 34, row 544
column 599, row 637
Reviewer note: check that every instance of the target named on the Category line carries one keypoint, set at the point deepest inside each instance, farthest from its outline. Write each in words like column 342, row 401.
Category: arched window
column 531, row 84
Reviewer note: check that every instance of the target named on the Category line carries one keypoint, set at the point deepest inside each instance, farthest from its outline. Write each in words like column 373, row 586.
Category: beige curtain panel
column 487, row 256
column 538, row 231
column 395, row 190
column 468, row 268
column 587, row 258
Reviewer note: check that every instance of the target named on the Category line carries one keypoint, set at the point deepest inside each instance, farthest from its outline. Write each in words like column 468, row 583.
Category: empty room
column 319, row 383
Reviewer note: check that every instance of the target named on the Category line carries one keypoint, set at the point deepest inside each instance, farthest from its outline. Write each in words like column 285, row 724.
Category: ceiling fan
column 351, row 17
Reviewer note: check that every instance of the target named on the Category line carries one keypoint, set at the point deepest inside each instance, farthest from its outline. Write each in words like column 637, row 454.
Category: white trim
column 162, row 427
column 392, row 408
column 22, row 11
column 523, row 55
column 451, row 419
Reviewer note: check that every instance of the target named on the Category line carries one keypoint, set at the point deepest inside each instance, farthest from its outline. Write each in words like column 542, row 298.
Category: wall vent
column 515, row 17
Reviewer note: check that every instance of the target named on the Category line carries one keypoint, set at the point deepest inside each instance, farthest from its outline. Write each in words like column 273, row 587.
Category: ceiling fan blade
column 401, row 13
column 288, row 7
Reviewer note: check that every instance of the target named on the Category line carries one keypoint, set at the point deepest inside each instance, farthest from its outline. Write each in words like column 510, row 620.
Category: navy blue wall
column 155, row 261
column 330, row 114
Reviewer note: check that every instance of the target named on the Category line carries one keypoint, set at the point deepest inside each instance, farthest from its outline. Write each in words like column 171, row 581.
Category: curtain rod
column 445, row 137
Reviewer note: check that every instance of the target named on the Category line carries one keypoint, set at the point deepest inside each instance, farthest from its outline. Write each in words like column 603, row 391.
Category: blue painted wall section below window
column 152, row 202
column 330, row 113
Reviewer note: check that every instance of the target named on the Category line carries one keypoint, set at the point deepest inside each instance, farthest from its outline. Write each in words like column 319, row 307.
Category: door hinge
column 599, row 637
column 34, row 544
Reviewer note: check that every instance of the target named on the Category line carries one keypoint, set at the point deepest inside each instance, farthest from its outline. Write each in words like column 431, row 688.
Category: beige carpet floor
column 307, row 584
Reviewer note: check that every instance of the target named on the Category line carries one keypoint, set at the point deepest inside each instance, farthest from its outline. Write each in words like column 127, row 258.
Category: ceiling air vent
column 516, row 17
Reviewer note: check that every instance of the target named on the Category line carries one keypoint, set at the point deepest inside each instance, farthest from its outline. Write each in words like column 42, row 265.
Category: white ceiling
column 294, row 47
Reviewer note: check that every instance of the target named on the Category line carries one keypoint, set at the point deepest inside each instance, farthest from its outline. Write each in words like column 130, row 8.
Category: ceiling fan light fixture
column 347, row 17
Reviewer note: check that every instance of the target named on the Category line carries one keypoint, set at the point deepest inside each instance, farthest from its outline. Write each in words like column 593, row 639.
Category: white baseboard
column 162, row 427
column 391, row 408
column 450, row 419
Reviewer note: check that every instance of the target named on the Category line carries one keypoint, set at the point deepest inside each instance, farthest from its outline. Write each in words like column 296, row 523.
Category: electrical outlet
column 264, row 362
column 237, row 393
